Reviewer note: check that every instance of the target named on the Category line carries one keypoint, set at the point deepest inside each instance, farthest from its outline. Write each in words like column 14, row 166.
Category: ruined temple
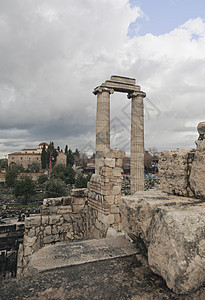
column 167, row 224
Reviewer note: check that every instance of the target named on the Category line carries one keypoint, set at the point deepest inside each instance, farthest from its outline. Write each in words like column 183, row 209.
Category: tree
column 24, row 188
column 44, row 158
column 3, row 163
column 81, row 181
column 67, row 174
column 66, row 149
column 55, row 187
column 51, row 154
column 12, row 174
column 42, row 178
column 70, row 158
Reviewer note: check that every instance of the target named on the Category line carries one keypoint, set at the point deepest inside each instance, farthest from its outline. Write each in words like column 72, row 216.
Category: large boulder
column 177, row 247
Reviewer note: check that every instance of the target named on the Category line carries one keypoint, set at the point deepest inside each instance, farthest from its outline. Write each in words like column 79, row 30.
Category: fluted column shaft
column 102, row 123
column 137, row 142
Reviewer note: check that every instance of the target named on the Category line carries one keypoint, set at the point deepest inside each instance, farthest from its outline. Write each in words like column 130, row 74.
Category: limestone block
column 117, row 218
column 31, row 241
column 54, row 219
column 138, row 210
column 197, row 176
column 67, row 218
column 53, row 209
column 64, row 209
column 78, row 208
column 79, row 201
column 114, row 209
column 117, row 172
column 51, row 238
column 110, row 219
column 79, row 193
column 110, row 162
column 32, row 221
column 47, row 230
column 109, row 199
column 44, row 220
column 177, row 247
column 174, row 167
column 116, row 190
column 118, row 162
column 117, row 199
column 32, row 232
column 27, row 251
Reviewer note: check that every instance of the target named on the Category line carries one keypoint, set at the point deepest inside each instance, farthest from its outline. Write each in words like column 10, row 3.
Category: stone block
column 67, row 218
column 116, row 190
column 110, row 162
column 54, row 219
column 117, row 218
column 114, row 209
column 79, row 201
column 31, row 241
column 64, row 209
column 32, row 232
column 118, row 162
column 44, row 220
column 47, row 230
column 117, row 172
column 177, row 247
column 32, row 221
column 27, row 251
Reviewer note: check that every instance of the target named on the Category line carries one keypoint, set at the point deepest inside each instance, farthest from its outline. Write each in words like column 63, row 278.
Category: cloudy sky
column 53, row 53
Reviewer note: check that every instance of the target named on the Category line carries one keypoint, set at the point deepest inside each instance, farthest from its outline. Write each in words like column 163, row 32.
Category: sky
column 53, row 53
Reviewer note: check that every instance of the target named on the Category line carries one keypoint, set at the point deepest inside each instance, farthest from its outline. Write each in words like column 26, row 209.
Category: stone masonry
column 61, row 219
column 124, row 85
column 104, row 195
column 182, row 172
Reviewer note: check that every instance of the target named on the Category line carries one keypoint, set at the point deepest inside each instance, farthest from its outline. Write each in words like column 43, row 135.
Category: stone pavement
column 68, row 254
column 127, row 277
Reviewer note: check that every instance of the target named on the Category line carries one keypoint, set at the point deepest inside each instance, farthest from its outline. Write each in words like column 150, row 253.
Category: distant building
column 26, row 157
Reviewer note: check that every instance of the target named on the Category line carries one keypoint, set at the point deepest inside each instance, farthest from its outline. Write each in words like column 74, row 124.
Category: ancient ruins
column 168, row 223
column 123, row 85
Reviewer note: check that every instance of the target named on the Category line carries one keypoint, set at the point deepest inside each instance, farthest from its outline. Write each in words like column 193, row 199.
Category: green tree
column 67, row 174
column 51, row 154
column 12, row 174
column 24, row 188
column 82, row 180
column 3, row 163
column 55, row 187
column 42, row 178
column 66, row 149
column 44, row 158
column 70, row 158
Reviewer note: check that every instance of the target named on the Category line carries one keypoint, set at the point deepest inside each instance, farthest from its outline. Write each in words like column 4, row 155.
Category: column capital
column 136, row 94
column 100, row 89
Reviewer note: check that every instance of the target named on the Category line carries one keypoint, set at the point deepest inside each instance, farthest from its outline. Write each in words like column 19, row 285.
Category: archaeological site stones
column 168, row 223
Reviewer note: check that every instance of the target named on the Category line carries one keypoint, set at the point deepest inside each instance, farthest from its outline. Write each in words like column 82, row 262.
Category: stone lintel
column 101, row 88
column 123, row 79
column 122, row 87
column 135, row 94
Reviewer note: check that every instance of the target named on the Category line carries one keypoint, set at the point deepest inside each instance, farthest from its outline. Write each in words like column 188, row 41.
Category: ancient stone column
column 102, row 123
column 137, row 142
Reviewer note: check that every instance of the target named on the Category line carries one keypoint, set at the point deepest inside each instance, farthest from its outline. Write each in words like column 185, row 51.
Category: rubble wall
column 174, row 171
column 61, row 219
column 104, row 193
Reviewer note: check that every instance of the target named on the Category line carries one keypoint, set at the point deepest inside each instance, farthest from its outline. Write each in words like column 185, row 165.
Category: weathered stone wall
column 174, row 170
column 61, row 219
column 170, row 230
column 104, row 195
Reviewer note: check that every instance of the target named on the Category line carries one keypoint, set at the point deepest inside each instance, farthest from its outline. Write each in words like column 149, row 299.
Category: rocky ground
column 121, row 278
